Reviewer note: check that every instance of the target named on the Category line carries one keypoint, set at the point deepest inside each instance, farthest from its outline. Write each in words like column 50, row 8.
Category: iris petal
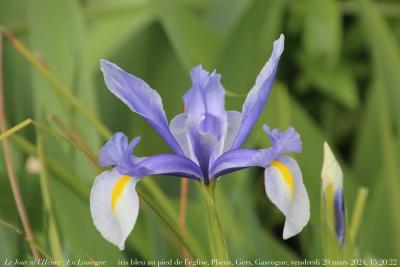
column 114, row 205
column 117, row 152
column 167, row 164
column 331, row 173
column 140, row 98
column 284, row 187
column 113, row 151
column 258, row 95
column 234, row 160
column 206, row 96
column 233, row 124
column 284, row 142
column 203, row 145
column 178, row 126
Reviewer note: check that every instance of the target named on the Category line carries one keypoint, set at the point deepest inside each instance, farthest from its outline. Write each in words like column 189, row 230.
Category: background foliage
column 338, row 80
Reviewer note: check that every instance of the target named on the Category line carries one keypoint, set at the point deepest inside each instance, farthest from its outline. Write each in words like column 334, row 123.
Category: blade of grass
column 57, row 85
column 129, row 18
column 73, row 134
column 170, row 223
column 383, row 47
column 15, row 129
column 149, row 187
column 384, row 51
column 64, row 175
column 194, row 41
column 9, row 164
column 53, row 236
column 24, row 237
column 91, row 156
column 81, row 146
column 358, row 211
column 390, row 166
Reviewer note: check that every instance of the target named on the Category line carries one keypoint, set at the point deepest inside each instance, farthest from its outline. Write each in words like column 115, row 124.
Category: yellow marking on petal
column 118, row 189
column 286, row 174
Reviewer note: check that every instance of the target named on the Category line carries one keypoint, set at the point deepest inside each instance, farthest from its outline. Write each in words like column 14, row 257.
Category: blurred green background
column 338, row 80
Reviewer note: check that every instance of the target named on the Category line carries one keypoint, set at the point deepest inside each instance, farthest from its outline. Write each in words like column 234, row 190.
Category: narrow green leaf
column 57, row 85
column 358, row 211
column 15, row 129
column 194, row 41
column 385, row 53
column 247, row 47
column 53, row 235
column 322, row 35
column 113, row 23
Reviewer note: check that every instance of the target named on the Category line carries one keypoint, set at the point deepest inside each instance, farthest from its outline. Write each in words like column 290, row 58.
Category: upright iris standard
column 206, row 141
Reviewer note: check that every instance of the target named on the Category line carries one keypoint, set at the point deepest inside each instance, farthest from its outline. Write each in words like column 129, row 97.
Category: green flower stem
column 216, row 236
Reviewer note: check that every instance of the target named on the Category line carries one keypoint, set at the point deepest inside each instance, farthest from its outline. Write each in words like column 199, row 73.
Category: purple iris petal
column 117, row 152
column 258, row 95
column 203, row 145
column 207, row 96
column 167, row 164
column 140, row 98
column 284, row 142
column 234, row 160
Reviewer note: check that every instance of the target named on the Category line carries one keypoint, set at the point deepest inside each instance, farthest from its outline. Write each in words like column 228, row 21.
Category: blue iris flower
column 206, row 141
